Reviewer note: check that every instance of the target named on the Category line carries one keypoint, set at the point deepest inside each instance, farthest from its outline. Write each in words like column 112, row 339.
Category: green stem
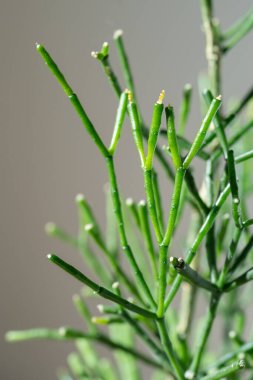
column 237, row 32
column 143, row 215
column 239, row 281
column 213, row 53
column 169, row 349
column 73, row 99
column 167, row 239
column 232, row 355
column 205, row 332
column 113, row 262
column 234, row 189
column 192, row 276
column 69, row 334
column 226, row 371
column 148, row 340
column 154, row 131
column 242, row 255
column 120, row 116
column 158, row 201
column 53, row 230
column 196, row 145
column 99, row 289
column 122, row 233
column 218, row 123
column 244, row 157
column 172, row 137
column 185, row 108
column 208, row 222
column 83, row 310
column 124, row 60
column 148, row 180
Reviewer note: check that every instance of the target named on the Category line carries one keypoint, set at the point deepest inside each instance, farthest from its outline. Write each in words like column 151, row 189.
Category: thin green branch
column 208, row 222
column 65, row 333
column 242, row 255
column 154, row 131
column 185, row 108
column 192, row 276
column 124, row 61
column 239, row 281
column 73, row 99
column 247, row 347
column 89, row 228
column 226, row 371
column 167, row 239
column 205, row 332
column 196, row 145
column 143, row 215
column 218, row 123
column 120, row 116
column 53, row 230
column 172, row 138
column 237, row 32
column 234, row 189
column 99, row 289
column 169, row 349
column 122, row 233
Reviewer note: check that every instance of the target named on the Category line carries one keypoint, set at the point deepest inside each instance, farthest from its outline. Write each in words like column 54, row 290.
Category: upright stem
column 213, row 53
column 205, row 333
column 123, row 238
column 169, row 349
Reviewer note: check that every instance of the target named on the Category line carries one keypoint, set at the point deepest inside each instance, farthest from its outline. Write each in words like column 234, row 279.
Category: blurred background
column 47, row 157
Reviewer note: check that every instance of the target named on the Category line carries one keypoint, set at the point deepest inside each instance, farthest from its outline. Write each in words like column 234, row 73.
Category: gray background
column 46, row 156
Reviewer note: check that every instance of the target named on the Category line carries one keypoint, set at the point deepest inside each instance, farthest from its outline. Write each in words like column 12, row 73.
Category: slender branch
column 192, row 276
column 120, row 116
column 208, row 222
column 113, row 262
column 169, row 349
column 65, row 333
column 99, row 289
column 239, row 281
column 237, row 32
column 123, row 238
column 247, row 347
column 196, row 145
column 185, row 108
column 73, row 99
column 205, row 332
column 226, row 371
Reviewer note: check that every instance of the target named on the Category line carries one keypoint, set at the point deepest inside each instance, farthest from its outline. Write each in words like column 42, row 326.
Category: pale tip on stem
column 232, row 334
column 161, row 97
column 177, row 262
column 130, row 96
column 117, row 34
column 241, row 364
column 189, row 375
column 80, row 198
column 115, row 285
column 100, row 308
column 188, row 87
column 88, row 227
column 62, row 331
column 50, row 228
column 94, row 54
column 49, row 256
column 219, row 97
column 142, row 203
column 129, row 201
column 76, row 297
